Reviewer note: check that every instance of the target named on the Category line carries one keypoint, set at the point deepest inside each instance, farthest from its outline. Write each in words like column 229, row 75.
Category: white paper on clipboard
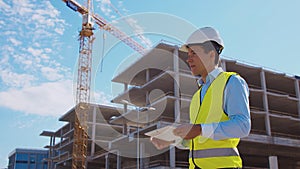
column 164, row 133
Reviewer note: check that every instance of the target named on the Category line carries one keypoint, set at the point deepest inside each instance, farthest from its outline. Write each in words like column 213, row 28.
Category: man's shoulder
column 233, row 76
column 235, row 80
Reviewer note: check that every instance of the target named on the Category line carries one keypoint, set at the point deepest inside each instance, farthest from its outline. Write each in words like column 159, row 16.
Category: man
column 219, row 110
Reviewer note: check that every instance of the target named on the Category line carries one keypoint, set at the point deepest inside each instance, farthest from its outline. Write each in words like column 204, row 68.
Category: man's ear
column 212, row 55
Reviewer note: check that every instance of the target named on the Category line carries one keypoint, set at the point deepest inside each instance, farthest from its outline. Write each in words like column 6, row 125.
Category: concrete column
column 172, row 153
column 176, row 85
column 93, row 131
column 147, row 80
column 125, row 87
column 53, row 143
column 125, row 105
column 147, row 101
column 142, row 152
column 138, row 143
column 107, row 161
column 176, row 103
column 61, row 137
column 145, row 156
column 297, row 89
column 265, row 102
column 118, row 160
column 51, row 146
column 50, row 153
column 273, row 162
column 53, row 140
column 147, row 75
column 125, row 127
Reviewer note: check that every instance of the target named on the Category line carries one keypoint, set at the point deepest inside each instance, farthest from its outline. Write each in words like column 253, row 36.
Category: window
column 22, row 157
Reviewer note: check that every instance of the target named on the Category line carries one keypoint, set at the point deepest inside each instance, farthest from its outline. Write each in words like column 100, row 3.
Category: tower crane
column 79, row 153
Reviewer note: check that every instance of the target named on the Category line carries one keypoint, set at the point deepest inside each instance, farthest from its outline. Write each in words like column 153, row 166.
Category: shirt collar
column 211, row 76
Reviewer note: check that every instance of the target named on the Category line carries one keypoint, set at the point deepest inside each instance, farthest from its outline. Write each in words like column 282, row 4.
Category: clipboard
column 164, row 133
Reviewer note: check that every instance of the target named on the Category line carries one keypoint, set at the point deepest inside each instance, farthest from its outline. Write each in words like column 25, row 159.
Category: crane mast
column 86, row 38
column 83, row 91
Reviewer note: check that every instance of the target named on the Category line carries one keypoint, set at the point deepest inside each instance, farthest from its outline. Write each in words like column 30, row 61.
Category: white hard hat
column 203, row 35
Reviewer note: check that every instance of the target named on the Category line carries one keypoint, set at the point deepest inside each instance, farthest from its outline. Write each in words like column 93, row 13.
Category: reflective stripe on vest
column 217, row 152
column 209, row 153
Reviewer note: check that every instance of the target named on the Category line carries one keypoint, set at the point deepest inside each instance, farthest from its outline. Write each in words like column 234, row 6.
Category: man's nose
column 189, row 59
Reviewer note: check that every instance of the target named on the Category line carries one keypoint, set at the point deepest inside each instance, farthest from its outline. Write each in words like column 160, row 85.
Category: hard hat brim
column 184, row 48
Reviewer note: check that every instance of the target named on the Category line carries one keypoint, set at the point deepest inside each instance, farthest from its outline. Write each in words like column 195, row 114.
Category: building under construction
column 160, row 86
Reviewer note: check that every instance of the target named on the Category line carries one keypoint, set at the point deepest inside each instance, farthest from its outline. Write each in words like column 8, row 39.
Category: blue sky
column 39, row 50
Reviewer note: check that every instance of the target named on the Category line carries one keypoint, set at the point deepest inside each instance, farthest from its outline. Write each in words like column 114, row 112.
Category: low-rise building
column 22, row 158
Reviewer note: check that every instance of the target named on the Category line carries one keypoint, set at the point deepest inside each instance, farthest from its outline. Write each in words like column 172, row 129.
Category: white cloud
column 4, row 60
column 27, row 63
column 138, row 31
column 4, row 6
column 21, row 123
column 133, row 23
column 16, row 80
column 30, row 73
column 22, row 7
column 52, row 12
column 51, row 73
column 36, row 44
column 9, row 49
column 31, row 21
column 32, row 29
column 10, row 33
column 106, row 1
column 100, row 97
column 107, row 8
column 114, row 22
column 42, row 20
column 48, row 50
column 59, row 30
column 35, row 52
column 46, row 99
column 51, row 98
column 15, row 42
column 45, row 57
column 120, row 3
column 40, row 33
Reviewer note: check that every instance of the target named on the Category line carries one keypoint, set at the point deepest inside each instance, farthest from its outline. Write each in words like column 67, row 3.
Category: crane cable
column 103, row 49
column 141, row 37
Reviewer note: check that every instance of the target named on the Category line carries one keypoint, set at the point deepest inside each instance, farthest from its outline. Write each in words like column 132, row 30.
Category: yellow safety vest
column 207, row 153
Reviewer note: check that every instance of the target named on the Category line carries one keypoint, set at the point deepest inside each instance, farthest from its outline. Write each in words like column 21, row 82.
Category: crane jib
column 71, row 5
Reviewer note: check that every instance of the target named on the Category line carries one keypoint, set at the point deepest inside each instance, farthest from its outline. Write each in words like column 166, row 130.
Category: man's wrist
column 200, row 129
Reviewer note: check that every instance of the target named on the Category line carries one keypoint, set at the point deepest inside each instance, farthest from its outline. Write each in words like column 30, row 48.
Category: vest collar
column 211, row 76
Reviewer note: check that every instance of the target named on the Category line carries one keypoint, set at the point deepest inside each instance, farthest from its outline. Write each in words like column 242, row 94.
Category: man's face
column 198, row 60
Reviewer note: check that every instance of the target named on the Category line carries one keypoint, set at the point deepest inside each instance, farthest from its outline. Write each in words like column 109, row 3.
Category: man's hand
column 160, row 144
column 188, row 131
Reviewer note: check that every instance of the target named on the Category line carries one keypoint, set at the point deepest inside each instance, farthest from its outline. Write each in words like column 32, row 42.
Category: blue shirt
column 236, row 105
